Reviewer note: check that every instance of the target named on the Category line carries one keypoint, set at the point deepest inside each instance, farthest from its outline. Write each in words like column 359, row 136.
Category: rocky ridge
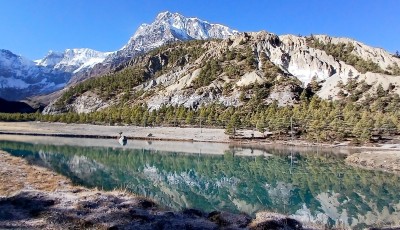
column 60, row 69
column 18, row 74
column 287, row 62
column 295, row 64
column 72, row 60
column 167, row 27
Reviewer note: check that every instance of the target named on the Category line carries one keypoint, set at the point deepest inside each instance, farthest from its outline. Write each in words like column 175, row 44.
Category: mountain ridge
column 72, row 60
column 167, row 27
column 226, row 71
column 45, row 75
column 295, row 56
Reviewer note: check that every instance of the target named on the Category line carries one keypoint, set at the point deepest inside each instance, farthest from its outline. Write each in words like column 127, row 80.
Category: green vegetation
column 135, row 72
column 343, row 52
column 395, row 69
column 107, row 86
column 208, row 73
column 358, row 116
column 397, row 54
column 314, row 119
column 234, row 63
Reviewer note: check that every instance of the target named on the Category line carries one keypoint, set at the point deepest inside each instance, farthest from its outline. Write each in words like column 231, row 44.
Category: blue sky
column 33, row 27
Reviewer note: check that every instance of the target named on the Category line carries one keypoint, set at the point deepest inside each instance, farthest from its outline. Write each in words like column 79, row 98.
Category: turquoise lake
column 311, row 185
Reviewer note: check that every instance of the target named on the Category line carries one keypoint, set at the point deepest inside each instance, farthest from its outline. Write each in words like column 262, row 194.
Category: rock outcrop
column 293, row 62
column 85, row 103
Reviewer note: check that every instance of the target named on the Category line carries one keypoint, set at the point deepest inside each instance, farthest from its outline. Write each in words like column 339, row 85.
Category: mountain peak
column 163, row 15
column 169, row 26
column 71, row 59
column 78, row 62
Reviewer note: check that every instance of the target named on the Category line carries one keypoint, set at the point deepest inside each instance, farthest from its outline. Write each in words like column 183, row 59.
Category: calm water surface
column 309, row 185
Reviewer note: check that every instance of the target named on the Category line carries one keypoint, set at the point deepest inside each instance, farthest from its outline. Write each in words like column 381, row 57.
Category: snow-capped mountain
column 173, row 26
column 168, row 27
column 21, row 77
column 290, row 62
column 72, row 60
column 58, row 69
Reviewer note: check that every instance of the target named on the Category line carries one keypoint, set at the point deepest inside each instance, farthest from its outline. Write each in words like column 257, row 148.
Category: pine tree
column 190, row 118
column 233, row 125
column 380, row 92
column 363, row 128
column 261, row 125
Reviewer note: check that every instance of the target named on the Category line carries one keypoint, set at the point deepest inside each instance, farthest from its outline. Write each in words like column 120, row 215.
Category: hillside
column 327, row 89
column 180, row 71
column 235, row 70
column 15, row 107
column 33, row 81
column 166, row 28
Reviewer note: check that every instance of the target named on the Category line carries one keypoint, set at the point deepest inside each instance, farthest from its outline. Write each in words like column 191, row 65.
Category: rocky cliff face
column 85, row 103
column 294, row 57
column 282, row 65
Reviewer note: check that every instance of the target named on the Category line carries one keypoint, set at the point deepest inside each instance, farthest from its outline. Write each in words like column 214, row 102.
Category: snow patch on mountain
column 72, row 60
column 45, row 75
column 10, row 61
column 168, row 27
column 51, row 59
column 184, row 28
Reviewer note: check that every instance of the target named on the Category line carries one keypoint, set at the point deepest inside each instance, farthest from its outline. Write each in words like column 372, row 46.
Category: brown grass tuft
column 16, row 174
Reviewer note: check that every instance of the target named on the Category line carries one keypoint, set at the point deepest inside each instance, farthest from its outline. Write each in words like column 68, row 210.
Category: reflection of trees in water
column 282, row 183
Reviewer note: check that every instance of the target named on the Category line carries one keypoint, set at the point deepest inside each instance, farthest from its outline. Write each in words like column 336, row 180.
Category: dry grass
column 50, row 201
column 388, row 161
column 16, row 174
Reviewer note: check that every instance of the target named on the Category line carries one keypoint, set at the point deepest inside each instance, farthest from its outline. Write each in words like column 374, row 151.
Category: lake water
column 310, row 185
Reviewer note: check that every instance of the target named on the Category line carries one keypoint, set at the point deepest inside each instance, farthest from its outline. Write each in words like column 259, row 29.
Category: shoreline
column 185, row 134
column 208, row 141
column 93, row 136
column 80, row 200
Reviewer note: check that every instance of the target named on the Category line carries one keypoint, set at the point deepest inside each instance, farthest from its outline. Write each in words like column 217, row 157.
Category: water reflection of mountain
column 311, row 187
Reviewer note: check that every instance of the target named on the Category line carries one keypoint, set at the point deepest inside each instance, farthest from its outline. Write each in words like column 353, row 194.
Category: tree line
column 312, row 119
